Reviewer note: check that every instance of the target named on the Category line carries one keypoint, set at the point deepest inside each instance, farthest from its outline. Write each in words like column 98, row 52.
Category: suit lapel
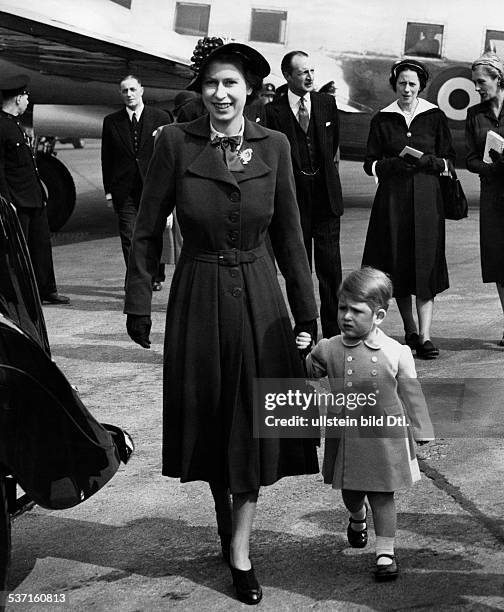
column 123, row 128
column 317, row 116
column 288, row 127
column 148, row 128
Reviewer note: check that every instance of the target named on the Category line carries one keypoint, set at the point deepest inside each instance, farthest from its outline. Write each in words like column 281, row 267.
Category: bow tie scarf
column 303, row 117
column 229, row 145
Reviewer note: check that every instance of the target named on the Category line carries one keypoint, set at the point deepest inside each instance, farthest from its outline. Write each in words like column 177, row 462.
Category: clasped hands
column 410, row 165
column 138, row 328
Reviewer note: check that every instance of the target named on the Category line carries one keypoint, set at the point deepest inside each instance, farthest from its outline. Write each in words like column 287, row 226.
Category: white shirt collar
column 294, row 102
column 214, row 132
column 423, row 105
column 137, row 112
column 373, row 341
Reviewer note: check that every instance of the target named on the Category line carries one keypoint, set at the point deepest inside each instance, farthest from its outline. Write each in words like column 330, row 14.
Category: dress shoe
column 412, row 340
column 357, row 539
column 55, row 298
column 501, row 341
column 225, row 542
column 427, row 350
column 248, row 590
column 383, row 573
column 157, row 286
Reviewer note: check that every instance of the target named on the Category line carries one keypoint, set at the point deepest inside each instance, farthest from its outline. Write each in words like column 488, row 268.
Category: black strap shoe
column 248, row 590
column 357, row 539
column 383, row 573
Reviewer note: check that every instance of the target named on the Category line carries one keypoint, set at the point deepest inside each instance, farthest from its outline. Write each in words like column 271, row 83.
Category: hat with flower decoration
column 210, row 48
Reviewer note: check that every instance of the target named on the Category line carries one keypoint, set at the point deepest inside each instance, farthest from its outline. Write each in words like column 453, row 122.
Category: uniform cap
column 268, row 88
column 14, row 84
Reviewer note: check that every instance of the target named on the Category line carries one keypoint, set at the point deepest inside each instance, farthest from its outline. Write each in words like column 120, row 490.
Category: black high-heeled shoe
column 225, row 542
column 247, row 589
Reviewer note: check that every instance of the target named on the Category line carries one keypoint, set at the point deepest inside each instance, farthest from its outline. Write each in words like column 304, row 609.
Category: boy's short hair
column 368, row 285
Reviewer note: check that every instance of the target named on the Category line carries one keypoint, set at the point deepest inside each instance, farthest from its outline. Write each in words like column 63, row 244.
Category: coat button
column 349, row 358
column 374, row 372
column 234, row 196
column 408, row 134
column 237, row 291
column 374, row 359
column 233, row 235
column 233, row 272
column 349, row 384
column 234, row 216
column 349, row 372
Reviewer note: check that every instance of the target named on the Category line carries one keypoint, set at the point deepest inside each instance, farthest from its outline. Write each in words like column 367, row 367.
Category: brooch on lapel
column 245, row 156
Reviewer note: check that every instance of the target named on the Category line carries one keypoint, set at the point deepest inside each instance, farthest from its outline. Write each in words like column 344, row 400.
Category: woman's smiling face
column 224, row 91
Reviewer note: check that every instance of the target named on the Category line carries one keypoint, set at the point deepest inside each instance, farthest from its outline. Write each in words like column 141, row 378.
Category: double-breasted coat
column 480, row 119
column 370, row 456
column 226, row 321
column 406, row 232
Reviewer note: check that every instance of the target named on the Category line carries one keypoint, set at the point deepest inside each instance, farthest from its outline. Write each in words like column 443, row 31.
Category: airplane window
column 268, row 26
column 192, row 18
column 494, row 42
column 423, row 39
column 126, row 3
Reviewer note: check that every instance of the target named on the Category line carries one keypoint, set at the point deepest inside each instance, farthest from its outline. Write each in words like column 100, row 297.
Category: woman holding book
column 409, row 146
column 486, row 117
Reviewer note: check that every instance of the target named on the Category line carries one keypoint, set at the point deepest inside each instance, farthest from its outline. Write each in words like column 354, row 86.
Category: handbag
column 454, row 200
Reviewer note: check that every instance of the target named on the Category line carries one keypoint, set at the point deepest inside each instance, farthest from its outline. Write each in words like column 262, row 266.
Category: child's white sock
column 359, row 516
column 384, row 546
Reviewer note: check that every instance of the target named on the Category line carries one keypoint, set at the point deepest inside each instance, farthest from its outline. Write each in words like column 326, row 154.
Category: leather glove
column 138, row 328
column 393, row 166
column 498, row 160
column 311, row 328
column 430, row 163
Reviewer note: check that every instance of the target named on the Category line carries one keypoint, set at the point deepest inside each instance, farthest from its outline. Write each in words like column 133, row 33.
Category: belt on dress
column 231, row 257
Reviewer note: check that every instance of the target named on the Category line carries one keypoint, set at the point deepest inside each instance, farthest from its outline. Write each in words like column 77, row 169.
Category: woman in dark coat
column 406, row 233
column 488, row 77
column 231, row 181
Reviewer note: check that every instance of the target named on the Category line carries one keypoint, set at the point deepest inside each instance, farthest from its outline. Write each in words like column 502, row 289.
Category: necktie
column 134, row 129
column 303, row 116
column 229, row 145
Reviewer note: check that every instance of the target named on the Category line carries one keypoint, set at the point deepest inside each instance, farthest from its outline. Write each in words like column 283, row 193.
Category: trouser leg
column 326, row 248
column 35, row 226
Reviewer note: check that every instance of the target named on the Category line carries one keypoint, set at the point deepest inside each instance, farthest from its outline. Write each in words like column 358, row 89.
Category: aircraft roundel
column 453, row 91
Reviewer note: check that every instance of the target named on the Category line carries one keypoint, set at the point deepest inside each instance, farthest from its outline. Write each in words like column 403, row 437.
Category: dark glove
column 311, row 328
column 430, row 163
column 393, row 166
column 498, row 160
column 138, row 328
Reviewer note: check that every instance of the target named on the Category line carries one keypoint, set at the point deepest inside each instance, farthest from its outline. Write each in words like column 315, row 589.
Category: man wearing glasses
column 20, row 184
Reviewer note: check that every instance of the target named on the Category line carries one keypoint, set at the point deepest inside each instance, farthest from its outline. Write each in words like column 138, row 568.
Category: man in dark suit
column 127, row 146
column 310, row 122
column 20, row 184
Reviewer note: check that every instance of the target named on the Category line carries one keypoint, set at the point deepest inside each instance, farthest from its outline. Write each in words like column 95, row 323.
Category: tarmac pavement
column 145, row 542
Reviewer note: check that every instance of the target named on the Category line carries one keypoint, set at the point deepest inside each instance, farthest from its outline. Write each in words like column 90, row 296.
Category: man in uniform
column 20, row 184
column 310, row 122
column 127, row 146
column 267, row 93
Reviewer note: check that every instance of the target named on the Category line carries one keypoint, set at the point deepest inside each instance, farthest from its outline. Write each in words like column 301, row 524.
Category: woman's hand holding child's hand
column 303, row 341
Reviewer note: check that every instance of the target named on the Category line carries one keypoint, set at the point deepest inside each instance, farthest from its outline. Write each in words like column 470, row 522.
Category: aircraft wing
column 54, row 52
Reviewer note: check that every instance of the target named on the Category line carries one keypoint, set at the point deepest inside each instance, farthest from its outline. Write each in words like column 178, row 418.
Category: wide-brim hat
column 252, row 60
column 407, row 64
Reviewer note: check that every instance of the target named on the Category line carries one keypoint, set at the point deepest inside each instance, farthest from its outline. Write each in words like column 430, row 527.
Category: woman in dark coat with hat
column 231, row 181
column 488, row 77
column 406, row 233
